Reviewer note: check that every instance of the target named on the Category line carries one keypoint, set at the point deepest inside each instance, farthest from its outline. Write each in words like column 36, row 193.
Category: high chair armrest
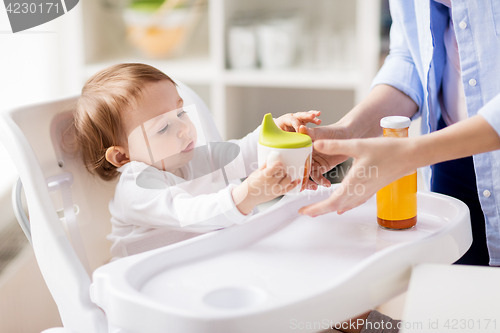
column 17, row 205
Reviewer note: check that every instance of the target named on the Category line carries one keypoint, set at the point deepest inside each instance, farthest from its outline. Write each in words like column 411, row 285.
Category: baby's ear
column 117, row 156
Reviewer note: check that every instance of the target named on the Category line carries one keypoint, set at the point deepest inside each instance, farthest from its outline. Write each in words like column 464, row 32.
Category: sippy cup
column 293, row 149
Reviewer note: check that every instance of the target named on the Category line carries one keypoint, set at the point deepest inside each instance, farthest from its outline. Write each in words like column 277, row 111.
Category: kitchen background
column 244, row 58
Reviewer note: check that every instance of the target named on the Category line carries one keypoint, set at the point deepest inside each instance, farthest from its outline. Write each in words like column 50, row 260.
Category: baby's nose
column 183, row 129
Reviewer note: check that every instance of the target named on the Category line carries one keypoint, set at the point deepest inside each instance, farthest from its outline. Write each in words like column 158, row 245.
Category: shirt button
column 486, row 193
column 462, row 25
column 472, row 82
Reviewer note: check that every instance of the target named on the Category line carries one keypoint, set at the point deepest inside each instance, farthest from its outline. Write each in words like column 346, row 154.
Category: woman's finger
column 319, row 179
column 305, row 130
column 311, row 185
column 291, row 186
column 316, row 133
column 351, row 206
column 325, row 206
column 317, row 171
column 336, row 147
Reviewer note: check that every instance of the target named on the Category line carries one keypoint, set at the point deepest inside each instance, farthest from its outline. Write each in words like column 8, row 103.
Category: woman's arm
column 380, row 161
column 465, row 138
column 361, row 122
column 396, row 90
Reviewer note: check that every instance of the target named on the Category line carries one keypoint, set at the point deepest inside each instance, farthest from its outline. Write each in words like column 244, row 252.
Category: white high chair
column 58, row 185
column 250, row 278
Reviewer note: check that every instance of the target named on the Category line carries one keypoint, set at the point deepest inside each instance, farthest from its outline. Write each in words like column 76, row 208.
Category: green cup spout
column 273, row 136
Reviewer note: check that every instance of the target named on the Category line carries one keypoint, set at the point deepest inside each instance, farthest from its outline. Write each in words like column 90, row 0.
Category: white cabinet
column 239, row 98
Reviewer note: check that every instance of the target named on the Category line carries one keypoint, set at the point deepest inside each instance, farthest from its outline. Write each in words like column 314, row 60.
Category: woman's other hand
column 377, row 163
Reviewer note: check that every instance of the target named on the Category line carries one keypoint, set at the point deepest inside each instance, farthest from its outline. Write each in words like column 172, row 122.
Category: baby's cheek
column 167, row 150
column 139, row 156
column 137, row 146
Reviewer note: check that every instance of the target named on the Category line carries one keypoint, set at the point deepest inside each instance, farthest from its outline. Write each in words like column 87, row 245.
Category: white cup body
column 296, row 161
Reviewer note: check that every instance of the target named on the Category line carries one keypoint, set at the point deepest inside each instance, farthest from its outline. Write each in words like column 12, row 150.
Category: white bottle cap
column 395, row 122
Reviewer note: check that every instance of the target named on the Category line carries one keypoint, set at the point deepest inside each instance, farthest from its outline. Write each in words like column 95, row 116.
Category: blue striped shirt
column 415, row 66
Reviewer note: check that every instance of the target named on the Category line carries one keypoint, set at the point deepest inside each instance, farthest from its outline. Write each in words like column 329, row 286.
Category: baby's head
column 132, row 112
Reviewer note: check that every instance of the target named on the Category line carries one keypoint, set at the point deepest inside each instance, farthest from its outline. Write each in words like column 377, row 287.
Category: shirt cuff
column 229, row 209
column 491, row 112
column 402, row 75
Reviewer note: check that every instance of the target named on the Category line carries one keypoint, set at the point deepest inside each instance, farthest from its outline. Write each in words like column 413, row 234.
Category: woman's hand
column 377, row 163
column 322, row 163
column 291, row 122
column 263, row 185
column 380, row 161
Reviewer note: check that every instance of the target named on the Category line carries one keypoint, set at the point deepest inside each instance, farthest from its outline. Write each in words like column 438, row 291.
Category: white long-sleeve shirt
column 153, row 208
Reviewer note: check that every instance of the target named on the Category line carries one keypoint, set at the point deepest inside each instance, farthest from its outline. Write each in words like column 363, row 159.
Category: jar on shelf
column 242, row 45
column 161, row 28
column 278, row 40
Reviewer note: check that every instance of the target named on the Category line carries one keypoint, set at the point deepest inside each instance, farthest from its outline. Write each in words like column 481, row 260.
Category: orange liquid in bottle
column 397, row 202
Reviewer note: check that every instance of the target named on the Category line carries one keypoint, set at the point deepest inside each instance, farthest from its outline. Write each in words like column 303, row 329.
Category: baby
column 128, row 111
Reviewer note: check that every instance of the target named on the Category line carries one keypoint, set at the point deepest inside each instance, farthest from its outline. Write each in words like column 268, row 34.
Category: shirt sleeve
column 491, row 112
column 173, row 207
column 399, row 68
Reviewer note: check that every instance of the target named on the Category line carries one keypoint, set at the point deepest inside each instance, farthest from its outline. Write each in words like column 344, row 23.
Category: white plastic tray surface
column 280, row 270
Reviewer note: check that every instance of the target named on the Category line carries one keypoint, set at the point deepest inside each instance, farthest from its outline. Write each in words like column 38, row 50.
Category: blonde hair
column 98, row 113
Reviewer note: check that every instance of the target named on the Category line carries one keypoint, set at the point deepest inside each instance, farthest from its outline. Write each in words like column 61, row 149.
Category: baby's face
column 159, row 131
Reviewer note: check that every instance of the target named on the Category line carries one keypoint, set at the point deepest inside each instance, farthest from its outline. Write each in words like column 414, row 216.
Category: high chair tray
column 280, row 271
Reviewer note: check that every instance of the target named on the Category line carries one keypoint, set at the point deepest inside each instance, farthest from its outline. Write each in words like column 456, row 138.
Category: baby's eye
column 163, row 130
column 180, row 114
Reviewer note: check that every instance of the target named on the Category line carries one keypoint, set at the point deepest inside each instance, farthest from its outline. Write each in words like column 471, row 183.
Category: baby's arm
column 174, row 207
column 163, row 204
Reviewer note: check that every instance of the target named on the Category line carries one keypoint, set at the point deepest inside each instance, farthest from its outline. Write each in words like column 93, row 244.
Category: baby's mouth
column 189, row 147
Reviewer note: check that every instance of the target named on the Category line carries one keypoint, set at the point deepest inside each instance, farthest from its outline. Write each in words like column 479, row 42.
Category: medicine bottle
column 397, row 202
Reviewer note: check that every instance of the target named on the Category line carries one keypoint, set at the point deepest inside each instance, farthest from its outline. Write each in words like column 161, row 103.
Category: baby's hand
column 264, row 184
column 291, row 122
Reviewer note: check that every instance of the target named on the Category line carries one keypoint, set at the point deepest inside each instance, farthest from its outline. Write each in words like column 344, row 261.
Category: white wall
column 42, row 63
column 36, row 65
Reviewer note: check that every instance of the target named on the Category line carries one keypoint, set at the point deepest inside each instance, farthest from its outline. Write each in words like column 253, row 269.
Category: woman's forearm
column 465, row 138
column 363, row 121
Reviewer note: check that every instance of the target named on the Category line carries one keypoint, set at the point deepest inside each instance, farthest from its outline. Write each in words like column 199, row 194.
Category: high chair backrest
column 55, row 180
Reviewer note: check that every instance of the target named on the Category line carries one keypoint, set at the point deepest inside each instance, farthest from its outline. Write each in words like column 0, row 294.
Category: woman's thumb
column 307, row 131
column 333, row 147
